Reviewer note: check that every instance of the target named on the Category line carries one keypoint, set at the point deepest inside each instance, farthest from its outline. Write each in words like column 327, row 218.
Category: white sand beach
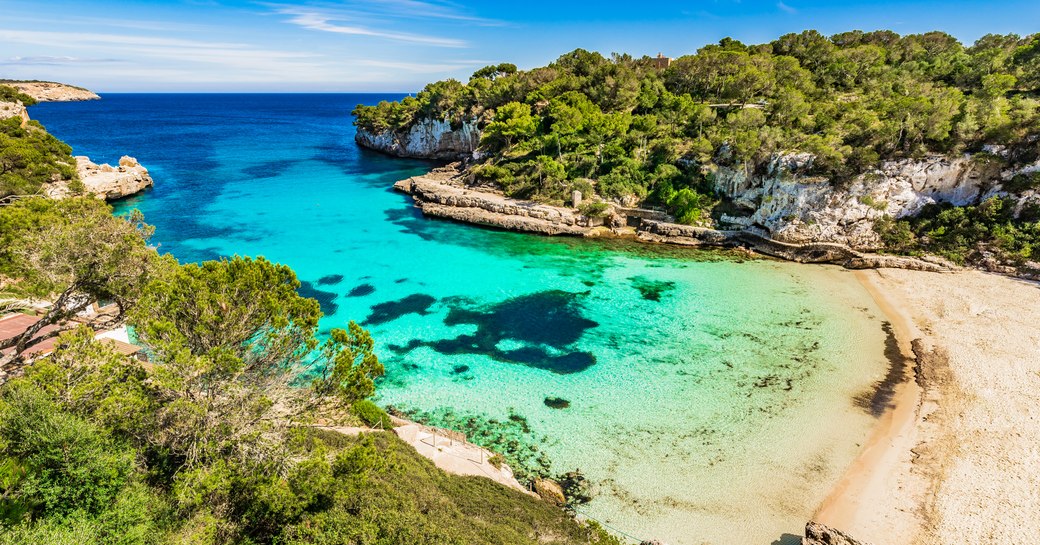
column 958, row 459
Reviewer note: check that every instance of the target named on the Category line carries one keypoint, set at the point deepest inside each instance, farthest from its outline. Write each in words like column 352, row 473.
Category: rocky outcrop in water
column 818, row 534
column 791, row 206
column 48, row 91
column 106, row 181
column 426, row 139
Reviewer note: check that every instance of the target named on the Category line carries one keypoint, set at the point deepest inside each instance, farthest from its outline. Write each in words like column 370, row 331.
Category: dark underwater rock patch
column 268, row 169
column 326, row 299
column 362, row 290
column 651, row 290
column 546, row 323
column 417, row 303
column 330, row 280
column 557, row 403
column 411, row 221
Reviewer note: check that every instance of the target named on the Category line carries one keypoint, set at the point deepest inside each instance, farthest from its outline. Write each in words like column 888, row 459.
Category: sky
column 400, row 45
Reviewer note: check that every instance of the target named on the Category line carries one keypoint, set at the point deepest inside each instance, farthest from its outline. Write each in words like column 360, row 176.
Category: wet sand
column 955, row 459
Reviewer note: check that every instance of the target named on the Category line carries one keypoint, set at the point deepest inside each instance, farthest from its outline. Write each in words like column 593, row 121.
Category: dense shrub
column 371, row 414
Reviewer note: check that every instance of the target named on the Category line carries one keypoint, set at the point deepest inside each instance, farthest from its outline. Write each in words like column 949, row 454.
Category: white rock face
column 796, row 208
column 427, row 139
column 106, row 181
column 14, row 109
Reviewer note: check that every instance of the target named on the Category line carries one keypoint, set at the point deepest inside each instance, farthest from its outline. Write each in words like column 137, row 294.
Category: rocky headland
column 49, row 91
column 104, row 181
column 780, row 211
column 443, row 193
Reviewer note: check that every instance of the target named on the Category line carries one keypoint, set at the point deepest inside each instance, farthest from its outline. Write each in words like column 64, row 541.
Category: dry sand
column 957, row 460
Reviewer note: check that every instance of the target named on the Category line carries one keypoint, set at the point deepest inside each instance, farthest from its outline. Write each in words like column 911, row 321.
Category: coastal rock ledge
column 443, row 193
column 436, row 195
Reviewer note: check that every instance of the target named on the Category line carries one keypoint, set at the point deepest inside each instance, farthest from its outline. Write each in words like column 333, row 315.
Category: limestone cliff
column 426, row 139
column 14, row 109
column 791, row 206
column 48, row 91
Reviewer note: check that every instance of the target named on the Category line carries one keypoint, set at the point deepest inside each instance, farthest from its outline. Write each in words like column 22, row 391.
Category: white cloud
column 55, row 60
column 326, row 21
column 417, row 9
column 786, row 8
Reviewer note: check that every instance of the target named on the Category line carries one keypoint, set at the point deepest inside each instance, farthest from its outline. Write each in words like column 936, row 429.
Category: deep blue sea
column 709, row 397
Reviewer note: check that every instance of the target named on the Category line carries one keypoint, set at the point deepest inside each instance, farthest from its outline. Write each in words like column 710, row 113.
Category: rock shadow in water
column 269, row 169
column 411, row 221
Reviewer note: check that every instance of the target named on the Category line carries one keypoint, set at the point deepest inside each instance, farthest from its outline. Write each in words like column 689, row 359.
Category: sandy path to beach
column 958, row 459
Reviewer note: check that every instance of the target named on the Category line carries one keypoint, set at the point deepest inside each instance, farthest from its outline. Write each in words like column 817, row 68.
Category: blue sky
column 399, row 45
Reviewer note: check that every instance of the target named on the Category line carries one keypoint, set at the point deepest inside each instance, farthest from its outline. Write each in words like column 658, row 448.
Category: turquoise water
column 708, row 399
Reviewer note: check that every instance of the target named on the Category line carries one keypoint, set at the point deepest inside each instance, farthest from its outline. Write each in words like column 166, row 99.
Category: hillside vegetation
column 620, row 127
column 30, row 156
column 215, row 440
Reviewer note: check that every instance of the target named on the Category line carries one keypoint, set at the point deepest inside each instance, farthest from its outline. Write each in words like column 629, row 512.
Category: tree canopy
column 216, row 439
column 625, row 128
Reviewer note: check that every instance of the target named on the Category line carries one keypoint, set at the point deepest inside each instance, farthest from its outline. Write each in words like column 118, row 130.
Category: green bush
column 10, row 94
column 967, row 234
column 30, row 157
column 593, row 209
column 371, row 414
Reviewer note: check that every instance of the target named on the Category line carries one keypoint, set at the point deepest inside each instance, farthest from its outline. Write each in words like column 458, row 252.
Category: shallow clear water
column 710, row 398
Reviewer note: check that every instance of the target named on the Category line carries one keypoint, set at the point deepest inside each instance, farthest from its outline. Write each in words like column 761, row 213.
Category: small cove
column 707, row 397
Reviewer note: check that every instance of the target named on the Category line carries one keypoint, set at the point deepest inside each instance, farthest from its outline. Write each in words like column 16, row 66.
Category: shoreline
column 887, row 452
column 954, row 460
column 440, row 193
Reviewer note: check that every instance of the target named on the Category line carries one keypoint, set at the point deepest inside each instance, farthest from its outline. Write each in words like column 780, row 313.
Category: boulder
column 550, row 491
column 818, row 534
column 108, row 182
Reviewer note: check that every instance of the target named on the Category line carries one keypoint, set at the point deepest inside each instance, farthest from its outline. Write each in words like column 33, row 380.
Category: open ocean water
column 708, row 398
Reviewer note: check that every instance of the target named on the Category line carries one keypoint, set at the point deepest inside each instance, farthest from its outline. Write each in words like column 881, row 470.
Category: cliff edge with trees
column 807, row 138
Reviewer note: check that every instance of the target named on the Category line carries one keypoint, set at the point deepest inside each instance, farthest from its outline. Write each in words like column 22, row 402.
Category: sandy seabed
column 957, row 459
